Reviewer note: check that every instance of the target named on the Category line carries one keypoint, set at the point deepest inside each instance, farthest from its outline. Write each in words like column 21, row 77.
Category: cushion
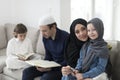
column 0, row 76
column 9, row 30
column 3, row 52
column 115, row 58
column 16, row 74
column 5, row 77
column 33, row 34
column 3, row 39
column 2, row 63
column 40, row 46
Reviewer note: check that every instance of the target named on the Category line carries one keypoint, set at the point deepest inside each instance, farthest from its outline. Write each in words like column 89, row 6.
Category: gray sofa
column 6, row 33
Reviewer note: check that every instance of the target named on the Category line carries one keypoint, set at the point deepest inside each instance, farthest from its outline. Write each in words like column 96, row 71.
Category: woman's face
column 81, row 32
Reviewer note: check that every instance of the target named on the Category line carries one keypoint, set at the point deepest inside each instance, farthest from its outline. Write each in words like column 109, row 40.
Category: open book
column 43, row 63
column 25, row 56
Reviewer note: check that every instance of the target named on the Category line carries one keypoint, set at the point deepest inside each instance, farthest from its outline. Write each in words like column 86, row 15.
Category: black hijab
column 98, row 47
column 74, row 45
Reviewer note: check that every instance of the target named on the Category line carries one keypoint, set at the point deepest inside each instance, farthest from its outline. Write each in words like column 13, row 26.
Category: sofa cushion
column 2, row 63
column 115, row 58
column 32, row 33
column 3, row 40
column 16, row 74
column 0, row 76
column 40, row 46
column 9, row 30
column 5, row 77
column 3, row 52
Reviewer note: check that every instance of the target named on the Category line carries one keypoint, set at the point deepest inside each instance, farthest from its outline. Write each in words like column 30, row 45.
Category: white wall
column 65, row 11
column 28, row 11
column 116, row 17
column 4, row 11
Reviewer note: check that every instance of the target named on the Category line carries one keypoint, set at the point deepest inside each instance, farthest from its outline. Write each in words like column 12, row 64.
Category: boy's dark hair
column 19, row 29
column 51, row 25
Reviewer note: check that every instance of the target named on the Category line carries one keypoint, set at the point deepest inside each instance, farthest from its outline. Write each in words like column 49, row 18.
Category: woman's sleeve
column 79, row 62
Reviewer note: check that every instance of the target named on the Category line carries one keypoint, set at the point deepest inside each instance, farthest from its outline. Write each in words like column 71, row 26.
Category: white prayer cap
column 45, row 20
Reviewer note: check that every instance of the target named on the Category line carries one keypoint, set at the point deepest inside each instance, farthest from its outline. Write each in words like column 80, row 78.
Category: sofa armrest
column 2, row 63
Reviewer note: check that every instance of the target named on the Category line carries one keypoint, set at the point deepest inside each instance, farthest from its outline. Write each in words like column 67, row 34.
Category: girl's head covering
column 98, row 24
column 97, row 48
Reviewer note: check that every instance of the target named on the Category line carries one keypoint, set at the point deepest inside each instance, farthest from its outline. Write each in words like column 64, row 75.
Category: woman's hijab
column 73, row 44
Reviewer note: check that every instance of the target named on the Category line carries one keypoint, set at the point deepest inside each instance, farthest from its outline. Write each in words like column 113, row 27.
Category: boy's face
column 92, row 33
column 21, row 36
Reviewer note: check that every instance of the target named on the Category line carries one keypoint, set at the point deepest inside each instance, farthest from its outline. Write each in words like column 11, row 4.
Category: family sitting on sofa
column 83, row 54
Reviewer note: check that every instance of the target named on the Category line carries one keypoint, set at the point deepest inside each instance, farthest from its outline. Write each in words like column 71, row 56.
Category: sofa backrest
column 115, row 58
column 32, row 34
column 40, row 46
column 115, row 51
column 3, row 39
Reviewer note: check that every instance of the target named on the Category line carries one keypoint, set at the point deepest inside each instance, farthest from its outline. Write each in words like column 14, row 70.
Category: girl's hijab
column 73, row 44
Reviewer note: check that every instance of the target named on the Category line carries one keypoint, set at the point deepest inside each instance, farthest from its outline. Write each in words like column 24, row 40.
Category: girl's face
column 21, row 36
column 81, row 32
column 92, row 33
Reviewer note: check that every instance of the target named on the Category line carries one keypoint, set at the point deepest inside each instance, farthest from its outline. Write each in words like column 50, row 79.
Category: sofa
column 6, row 33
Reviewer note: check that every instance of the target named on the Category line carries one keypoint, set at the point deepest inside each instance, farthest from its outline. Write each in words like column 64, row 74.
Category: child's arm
column 10, row 51
column 101, row 65
column 79, row 62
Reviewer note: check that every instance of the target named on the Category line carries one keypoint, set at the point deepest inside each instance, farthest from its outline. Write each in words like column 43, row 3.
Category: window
column 88, row 9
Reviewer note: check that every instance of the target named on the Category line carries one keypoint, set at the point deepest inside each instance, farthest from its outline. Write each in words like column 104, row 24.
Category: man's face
column 46, row 31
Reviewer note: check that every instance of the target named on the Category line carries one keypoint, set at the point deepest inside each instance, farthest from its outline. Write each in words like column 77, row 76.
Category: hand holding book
column 24, row 57
column 43, row 63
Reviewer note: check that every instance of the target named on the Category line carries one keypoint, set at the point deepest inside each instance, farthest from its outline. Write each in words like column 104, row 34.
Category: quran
column 43, row 63
column 25, row 56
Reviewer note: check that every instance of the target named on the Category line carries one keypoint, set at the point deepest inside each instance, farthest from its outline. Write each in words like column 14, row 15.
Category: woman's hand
column 66, row 70
column 79, row 76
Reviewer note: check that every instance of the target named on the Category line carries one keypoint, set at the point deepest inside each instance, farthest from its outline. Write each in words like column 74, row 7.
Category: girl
column 93, row 55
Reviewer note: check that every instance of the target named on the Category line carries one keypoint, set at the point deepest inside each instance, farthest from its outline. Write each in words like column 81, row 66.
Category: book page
column 43, row 63
column 25, row 56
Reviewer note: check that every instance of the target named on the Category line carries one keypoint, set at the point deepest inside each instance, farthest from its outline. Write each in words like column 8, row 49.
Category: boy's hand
column 22, row 58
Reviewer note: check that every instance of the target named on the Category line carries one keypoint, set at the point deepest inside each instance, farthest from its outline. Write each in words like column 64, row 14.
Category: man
column 54, row 42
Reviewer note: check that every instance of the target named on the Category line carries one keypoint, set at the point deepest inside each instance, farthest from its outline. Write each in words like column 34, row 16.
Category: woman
column 78, row 36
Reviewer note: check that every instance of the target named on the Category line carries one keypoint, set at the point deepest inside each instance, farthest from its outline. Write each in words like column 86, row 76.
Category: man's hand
column 43, row 69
